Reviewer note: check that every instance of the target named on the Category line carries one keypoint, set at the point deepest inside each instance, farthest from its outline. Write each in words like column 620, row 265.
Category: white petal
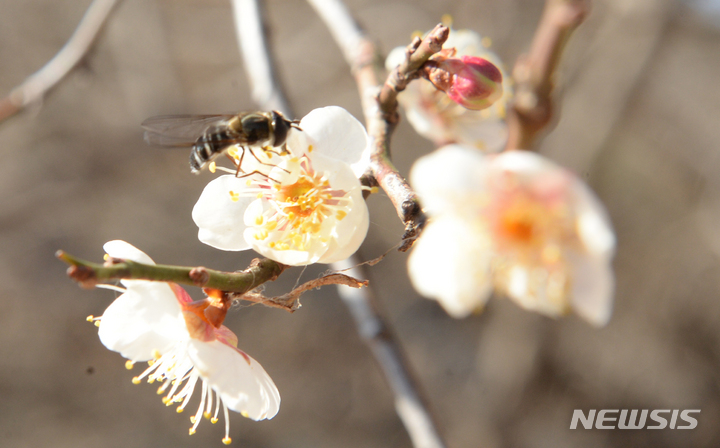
column 126, row 251
column 394, row 58
column 350, row 232
column 445, row 178
column 147, row 317
column 592, row 288
column 526, row 163
column 220, row 219
column 466, row 42
column 593, row 224
column 241, row 382
column 451, row 264
column 333, row 132
column 357, row 233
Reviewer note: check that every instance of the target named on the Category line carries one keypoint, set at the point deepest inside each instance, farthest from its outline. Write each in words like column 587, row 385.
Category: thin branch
column 255, row 54
column 291, row 301
column 89, row 274
column 410, row 405
column 380, row 104
column 34, row 88
column 360, row 54
column 534, row 73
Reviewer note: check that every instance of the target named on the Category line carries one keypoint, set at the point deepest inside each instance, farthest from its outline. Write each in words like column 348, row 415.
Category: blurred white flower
column 305, row 207
column 514, row 222
column 435, row 116
column 184, row 342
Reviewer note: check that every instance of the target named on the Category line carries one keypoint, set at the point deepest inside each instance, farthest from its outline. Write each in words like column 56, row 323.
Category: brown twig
column 380, row 107
column 534, row 73
column 34, row 88
column 291, row 301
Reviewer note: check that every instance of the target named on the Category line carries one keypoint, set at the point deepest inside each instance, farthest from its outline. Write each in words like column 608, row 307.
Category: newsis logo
column 607, row 419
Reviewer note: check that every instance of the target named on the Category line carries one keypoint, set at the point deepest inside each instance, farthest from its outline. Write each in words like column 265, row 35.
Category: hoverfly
column 208, row 136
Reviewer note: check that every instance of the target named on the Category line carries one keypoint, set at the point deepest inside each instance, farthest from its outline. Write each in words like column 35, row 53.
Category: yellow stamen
column 129, row 364
column 136, row 380
column 310, row 148
column 97, row 323
column 212, row 167
column 192, row 430
column 245, row 414
column 90, row 318
column 259, row 220
column 227, row 440
column 106, row 257
column 340, row 215
column 213, row 420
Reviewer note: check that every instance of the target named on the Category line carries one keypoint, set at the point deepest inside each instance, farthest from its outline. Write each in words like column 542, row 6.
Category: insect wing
column 179, row 130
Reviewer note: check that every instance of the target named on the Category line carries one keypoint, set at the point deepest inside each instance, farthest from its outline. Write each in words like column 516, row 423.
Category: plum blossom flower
column 436, row 116
column 303, row 205
column 516, row 223
column 184, row 344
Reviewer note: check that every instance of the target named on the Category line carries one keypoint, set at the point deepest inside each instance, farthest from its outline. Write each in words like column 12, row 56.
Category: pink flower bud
column 473, row 82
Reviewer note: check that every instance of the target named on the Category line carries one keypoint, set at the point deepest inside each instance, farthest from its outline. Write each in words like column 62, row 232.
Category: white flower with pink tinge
column 435, row 116
column 303, row 205
column 184, row 344
column 516, row 223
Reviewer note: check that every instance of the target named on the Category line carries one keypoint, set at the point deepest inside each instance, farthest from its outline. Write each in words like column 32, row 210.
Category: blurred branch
column 89, row 274
column 534, row 73
column 34, row 88
column 375, row 333
column 256, row 57
column 378, row 335
column 380, row 104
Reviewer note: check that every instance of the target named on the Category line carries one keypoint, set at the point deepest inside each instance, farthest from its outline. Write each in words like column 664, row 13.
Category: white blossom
column 304, row 206
column 159, row 323
column 516, row 223
column 436, row 117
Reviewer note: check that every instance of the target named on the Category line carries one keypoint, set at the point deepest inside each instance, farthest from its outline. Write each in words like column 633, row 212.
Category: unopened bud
column 474, row 83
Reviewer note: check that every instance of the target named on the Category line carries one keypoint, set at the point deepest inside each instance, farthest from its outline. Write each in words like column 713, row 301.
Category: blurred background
column 640, row 112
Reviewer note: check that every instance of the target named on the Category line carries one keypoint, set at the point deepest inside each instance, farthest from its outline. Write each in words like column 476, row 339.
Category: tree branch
column 256, row 57
column 380, row 110
column 34, row 88
column 89, row 274
column 380, row 104
column 534, row 73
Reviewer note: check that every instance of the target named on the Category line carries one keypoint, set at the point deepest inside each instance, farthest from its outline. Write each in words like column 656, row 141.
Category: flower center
column 304, row 208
